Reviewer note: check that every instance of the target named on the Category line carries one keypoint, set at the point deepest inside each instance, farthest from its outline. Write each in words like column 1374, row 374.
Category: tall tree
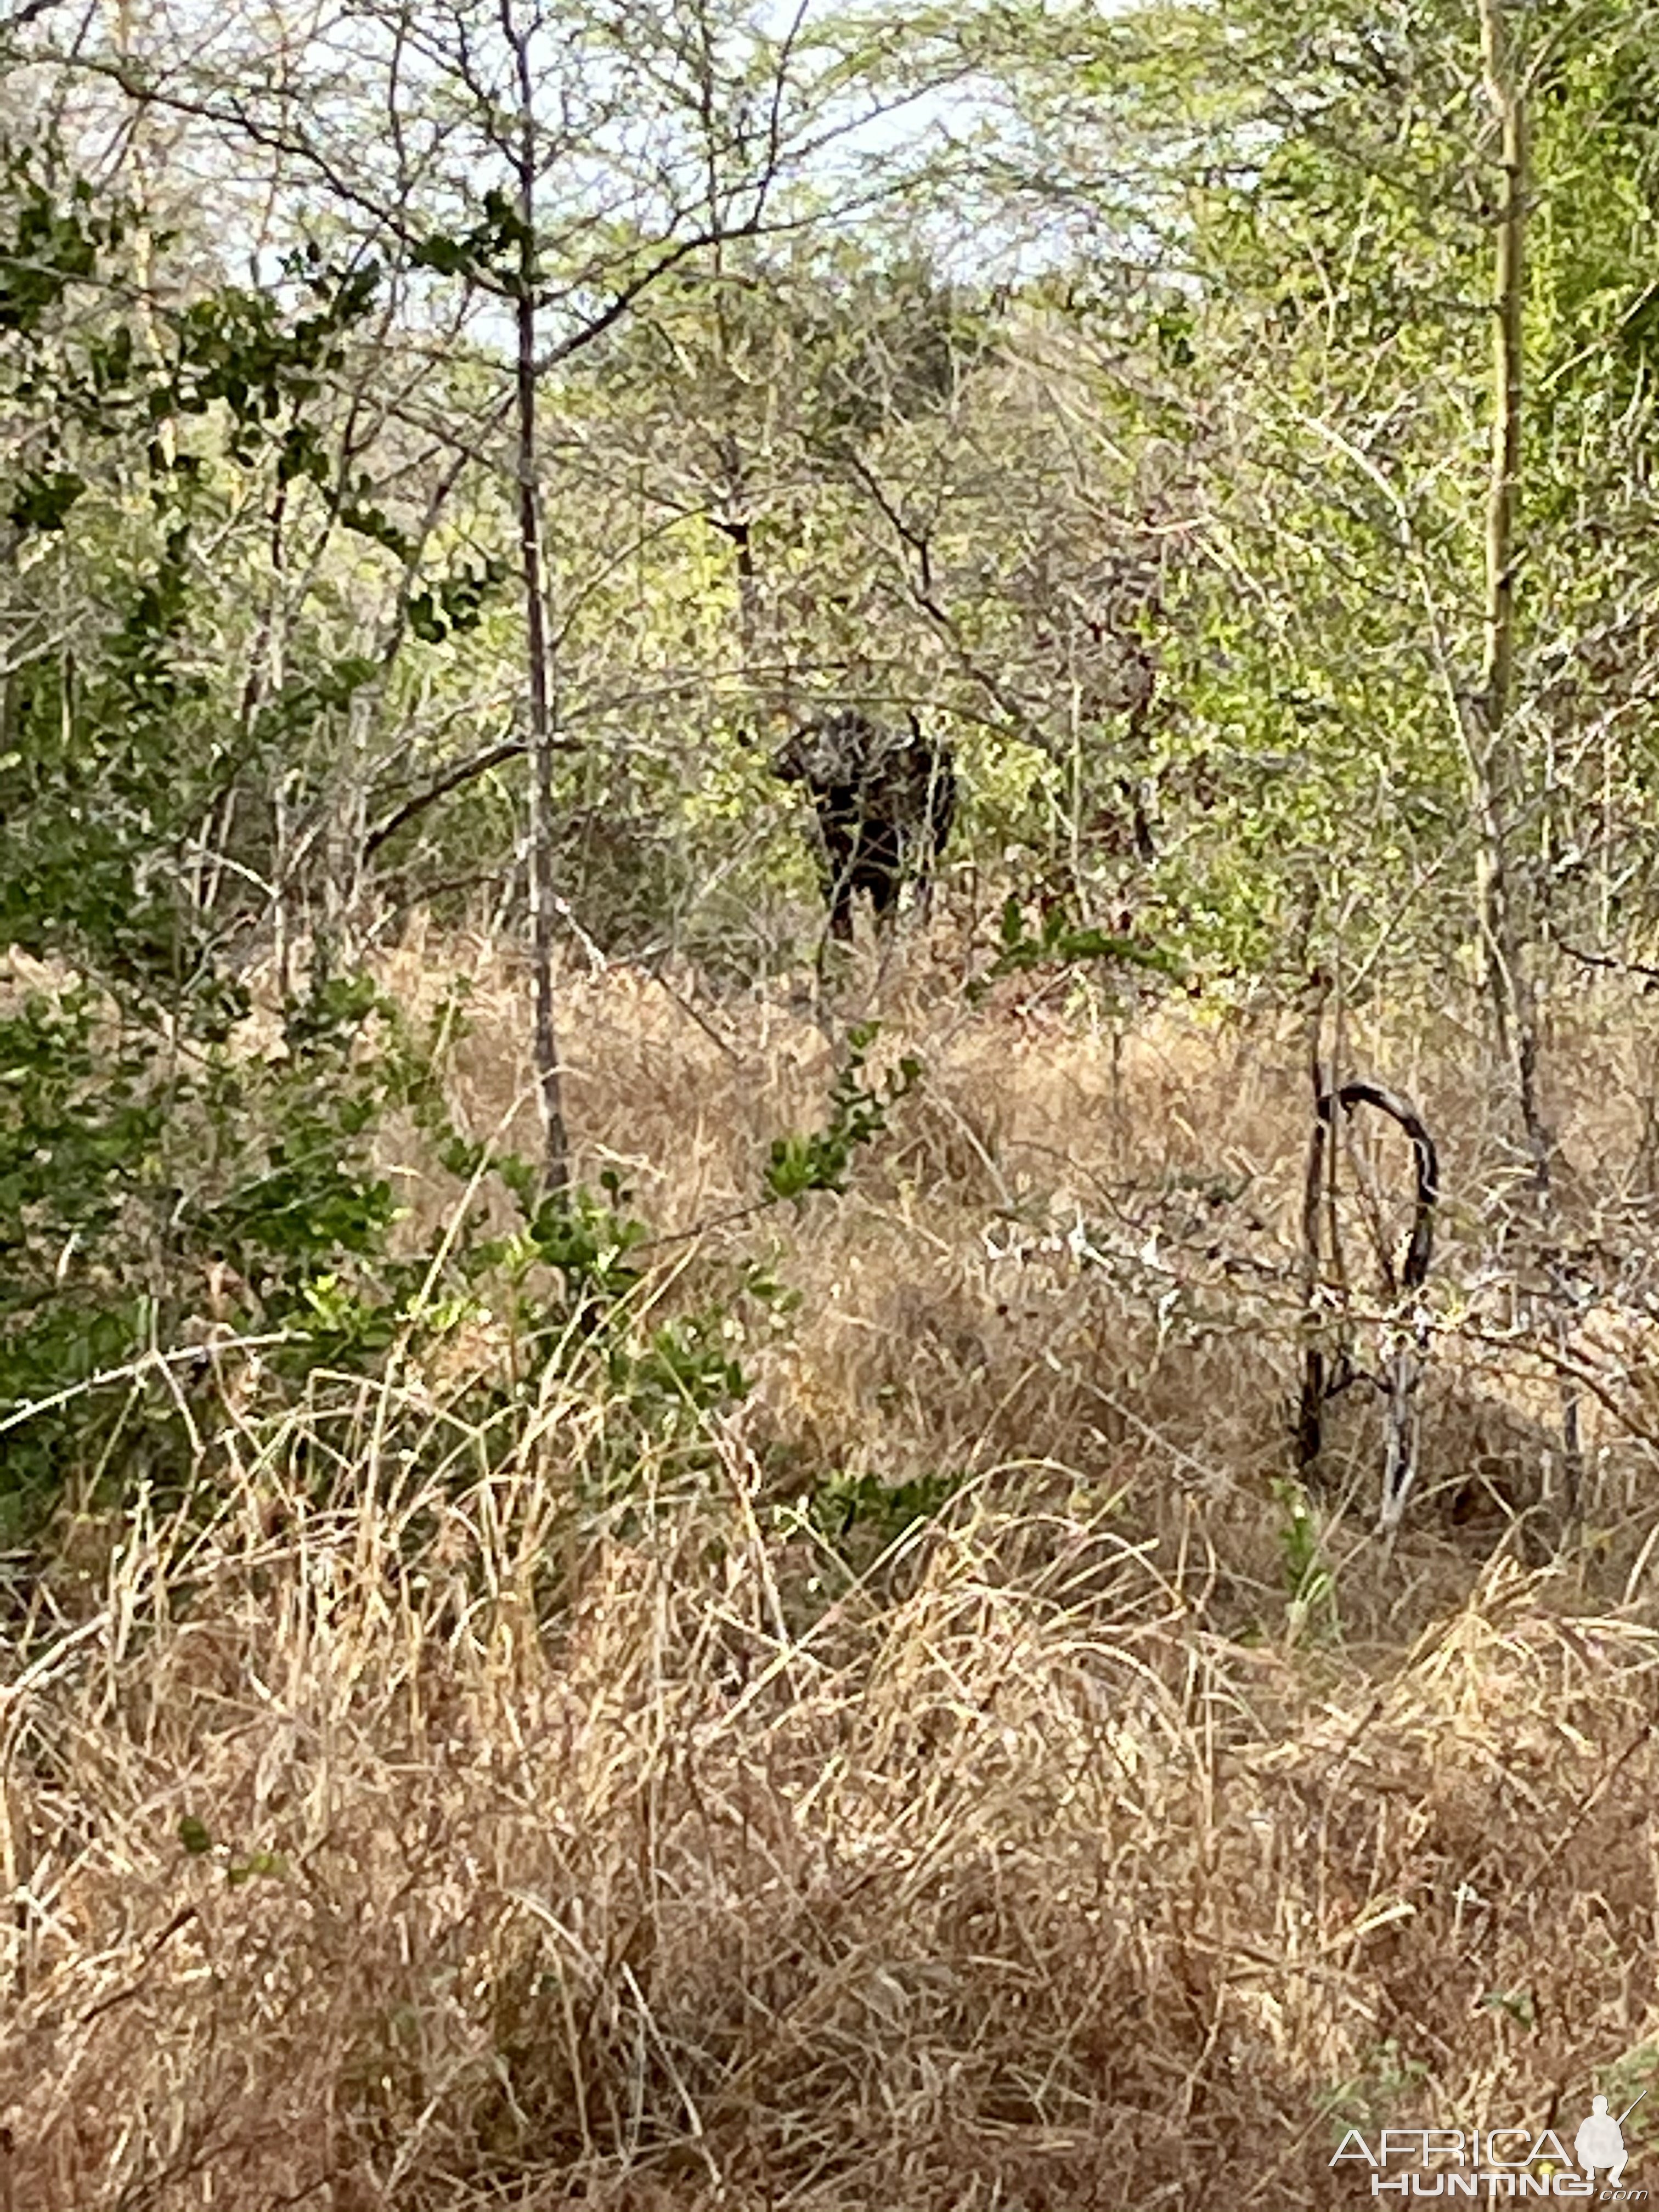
column 1398, row 540
column 556, row 162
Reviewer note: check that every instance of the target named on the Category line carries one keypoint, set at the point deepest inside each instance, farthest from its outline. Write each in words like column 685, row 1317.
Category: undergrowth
column 825, row 1704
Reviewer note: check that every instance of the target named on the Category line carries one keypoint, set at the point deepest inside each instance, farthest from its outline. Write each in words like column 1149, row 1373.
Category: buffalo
column 885, row 801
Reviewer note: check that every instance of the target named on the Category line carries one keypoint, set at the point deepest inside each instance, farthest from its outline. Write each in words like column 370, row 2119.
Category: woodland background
column 647, row 1562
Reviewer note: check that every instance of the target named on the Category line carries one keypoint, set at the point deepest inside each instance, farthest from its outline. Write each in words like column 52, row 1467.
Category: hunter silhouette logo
column 1601, row 2141
column 1488, row 2162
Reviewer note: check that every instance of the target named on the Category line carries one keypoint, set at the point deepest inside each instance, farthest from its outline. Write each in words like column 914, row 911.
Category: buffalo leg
column 840, row 854
column 881, row 869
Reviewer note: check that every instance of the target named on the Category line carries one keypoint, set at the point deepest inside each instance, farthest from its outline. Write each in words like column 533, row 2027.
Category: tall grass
column 968, row 1778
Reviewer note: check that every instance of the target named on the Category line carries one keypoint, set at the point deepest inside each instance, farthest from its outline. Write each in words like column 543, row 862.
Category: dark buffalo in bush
column 885, row 801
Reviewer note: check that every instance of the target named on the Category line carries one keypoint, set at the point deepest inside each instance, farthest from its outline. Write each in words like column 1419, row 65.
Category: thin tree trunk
column 1505, row 929
column 1497, row 779
column 556, row 1143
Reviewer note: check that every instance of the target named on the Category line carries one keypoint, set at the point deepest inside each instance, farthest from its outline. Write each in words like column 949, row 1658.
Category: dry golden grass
column 1051, row 1851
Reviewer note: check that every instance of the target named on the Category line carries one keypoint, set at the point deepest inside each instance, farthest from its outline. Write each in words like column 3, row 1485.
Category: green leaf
column 43, row 501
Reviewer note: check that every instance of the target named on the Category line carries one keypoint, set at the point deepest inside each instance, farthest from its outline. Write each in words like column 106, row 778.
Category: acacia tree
column 1385, row 647
column 935, row 519
column 549, row 166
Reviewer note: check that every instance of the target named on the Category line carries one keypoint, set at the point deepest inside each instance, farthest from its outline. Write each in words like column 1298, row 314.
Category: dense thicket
column 444, row 450
column 649, row 1559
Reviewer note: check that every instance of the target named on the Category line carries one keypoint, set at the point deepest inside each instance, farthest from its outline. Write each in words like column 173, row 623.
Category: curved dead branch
column 1420, row 1250
column 1400, row 1369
